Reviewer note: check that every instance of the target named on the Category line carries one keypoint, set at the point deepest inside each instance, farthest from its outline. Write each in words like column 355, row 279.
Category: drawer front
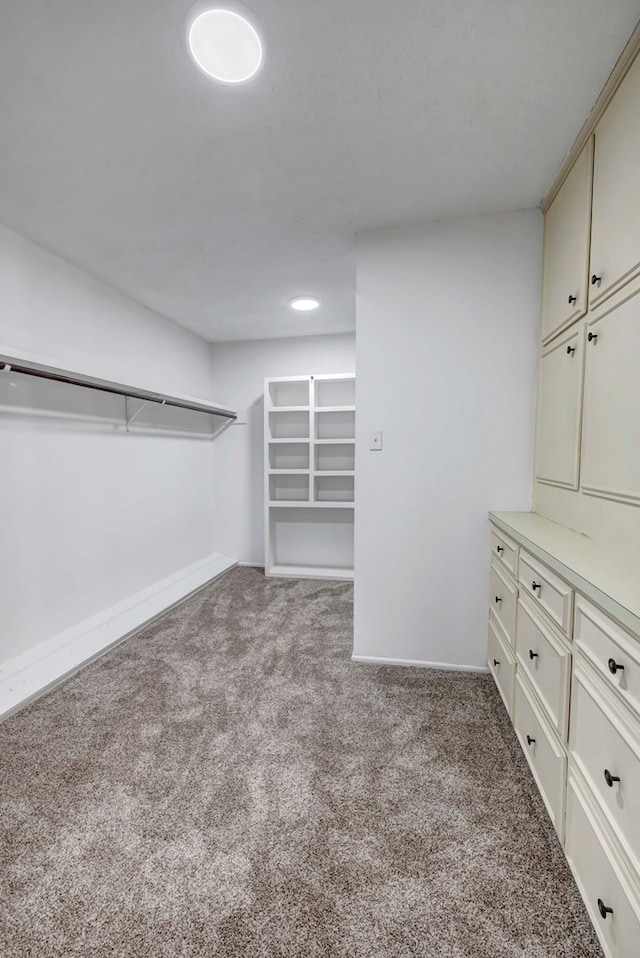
column 547, row 590
column 503, row 601
column 543, row 751
column 600, row 877
column 501, row 663
column 505, row 552
column 605, row 747
column 547, row 663
column 613, row 652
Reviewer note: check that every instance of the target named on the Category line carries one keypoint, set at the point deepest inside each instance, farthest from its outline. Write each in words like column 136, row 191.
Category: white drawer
column 612, row 651
column 503, row 601
column 547, row 590
column 547, row 663
column 604, row 746
column 601, row 878
column 544, row 752
column 501, row 663
column 504, row 551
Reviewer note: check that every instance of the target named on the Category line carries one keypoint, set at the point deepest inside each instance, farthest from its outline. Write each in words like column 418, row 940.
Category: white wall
column 89, row 514
column 239, row 371
column 447, row 319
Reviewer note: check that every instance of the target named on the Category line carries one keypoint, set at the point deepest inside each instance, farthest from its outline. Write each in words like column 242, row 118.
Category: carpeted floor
column 229, row 783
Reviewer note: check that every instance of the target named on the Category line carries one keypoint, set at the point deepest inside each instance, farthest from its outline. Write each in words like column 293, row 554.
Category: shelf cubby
column 338, row 457
column 289, row 487
column 288, row 455
column 289, row 424
column 292, row 393
column 335, row 392
column 335, row 424
column 334, row 488
column 311, row 542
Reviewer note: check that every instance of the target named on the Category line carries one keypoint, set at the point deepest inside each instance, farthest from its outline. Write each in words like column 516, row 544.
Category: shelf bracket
column 132, row 419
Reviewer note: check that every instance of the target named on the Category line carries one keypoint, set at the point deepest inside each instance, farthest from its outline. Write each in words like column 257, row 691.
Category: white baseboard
column 417, row 664
column 29, row 675
column 252, row 565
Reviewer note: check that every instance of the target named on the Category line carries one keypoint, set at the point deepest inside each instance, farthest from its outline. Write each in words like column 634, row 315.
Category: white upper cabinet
column 559, row 410
column 566, row 248
column 611, row 418
column 615, row 230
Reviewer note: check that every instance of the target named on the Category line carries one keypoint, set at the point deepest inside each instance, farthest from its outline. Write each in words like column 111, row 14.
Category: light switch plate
column 375, row 440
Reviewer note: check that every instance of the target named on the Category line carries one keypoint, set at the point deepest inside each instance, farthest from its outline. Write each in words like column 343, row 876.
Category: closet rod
column 29, row 367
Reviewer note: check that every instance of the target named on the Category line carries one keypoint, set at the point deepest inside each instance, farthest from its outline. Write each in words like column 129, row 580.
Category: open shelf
column 335, row 424
column 338, row 488
column 288, row 455
column 289, row 424
column 311, row 540
column 290, row 487
column 335, row 457
column 335, row 392
column 291, row 393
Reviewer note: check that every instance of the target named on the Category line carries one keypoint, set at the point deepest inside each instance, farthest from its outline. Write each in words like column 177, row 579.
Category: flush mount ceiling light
column 225, row 45
column 304, row 304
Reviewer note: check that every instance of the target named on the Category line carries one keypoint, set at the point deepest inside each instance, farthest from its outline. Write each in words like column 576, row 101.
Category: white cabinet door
column 566, row 248
column 611, row 426
column 615, row 235
column 559, row 411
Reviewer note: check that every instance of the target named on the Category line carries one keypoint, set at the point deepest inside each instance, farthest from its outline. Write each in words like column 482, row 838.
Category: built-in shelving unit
column 310, row 475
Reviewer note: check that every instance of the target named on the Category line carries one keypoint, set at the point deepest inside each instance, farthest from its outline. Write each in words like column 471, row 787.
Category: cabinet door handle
column 572, row 299
column 609, row 778
column 614, row 666
column 530, row 741
column 596, row 280
column 495, row 662
column 592, row 337
column 536, row 585
column 571, row 350
column 603, row 909
column 499, row 549
column 532, row 655
column 498, row 600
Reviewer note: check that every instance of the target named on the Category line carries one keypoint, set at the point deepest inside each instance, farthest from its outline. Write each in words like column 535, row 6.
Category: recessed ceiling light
column 226, row 46
column 305, row 304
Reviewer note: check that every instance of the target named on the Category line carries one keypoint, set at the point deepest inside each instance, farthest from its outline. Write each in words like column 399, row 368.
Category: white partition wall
column 309, row 424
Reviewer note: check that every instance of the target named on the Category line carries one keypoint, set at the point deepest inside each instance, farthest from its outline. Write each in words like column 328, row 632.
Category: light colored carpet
column 229, row 783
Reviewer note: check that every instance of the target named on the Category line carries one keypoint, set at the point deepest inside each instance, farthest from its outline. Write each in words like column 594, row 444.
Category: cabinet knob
column 614, row 666
column 609, row 778
column 499, row 549
column 572, row 299
column 495, row 662
column 532, row 655
column 596, row 280
column 536, row 585
column 603, row 909
column 571, row 350
column 498, row 600
column 530, row 741
column 592, row 337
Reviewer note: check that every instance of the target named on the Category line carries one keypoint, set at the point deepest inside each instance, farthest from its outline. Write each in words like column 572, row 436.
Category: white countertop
column 609, row 578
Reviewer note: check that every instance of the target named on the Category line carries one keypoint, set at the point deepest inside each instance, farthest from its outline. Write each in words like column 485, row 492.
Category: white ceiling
column 214, row 205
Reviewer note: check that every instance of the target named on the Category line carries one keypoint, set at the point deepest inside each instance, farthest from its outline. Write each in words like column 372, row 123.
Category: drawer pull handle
column 499, row 549
column 571, row 350
column 603, row 909
column 536, row 585
column 614, row 666
column 532, row 655
column 592, row 337
column 498, row 600
column 609, row 778
column 572, row 300
column 596, row 280
column 530, row 741
column 495, row 662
